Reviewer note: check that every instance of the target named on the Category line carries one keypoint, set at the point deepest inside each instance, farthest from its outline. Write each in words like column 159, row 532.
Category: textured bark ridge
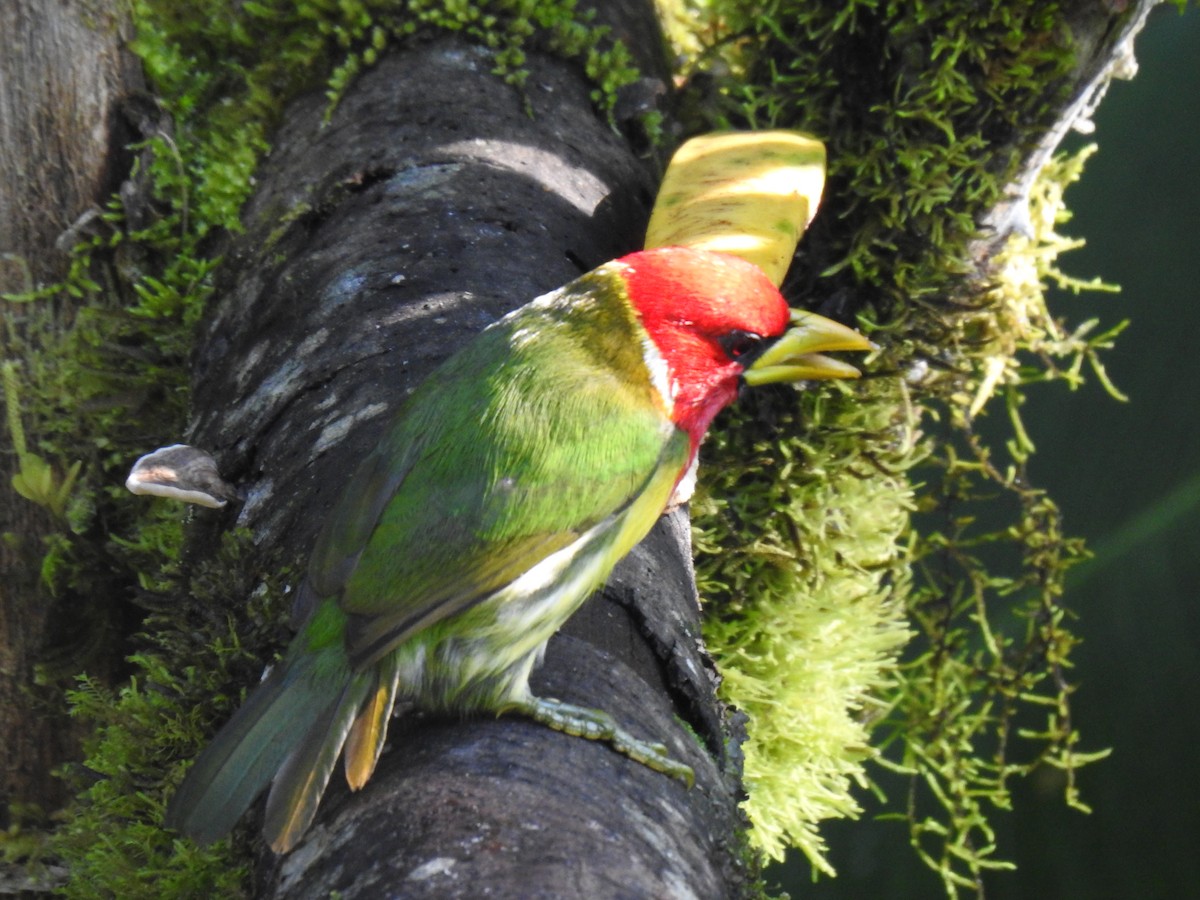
column 429, row 205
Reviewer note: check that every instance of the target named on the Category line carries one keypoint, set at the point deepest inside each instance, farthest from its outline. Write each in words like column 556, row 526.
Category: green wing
column 514, row 448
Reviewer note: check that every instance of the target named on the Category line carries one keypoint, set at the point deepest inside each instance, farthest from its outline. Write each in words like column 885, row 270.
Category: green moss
column 271, row 49
column 799, row 559
column 927, row 110
column 985, row 695
column 146, row 729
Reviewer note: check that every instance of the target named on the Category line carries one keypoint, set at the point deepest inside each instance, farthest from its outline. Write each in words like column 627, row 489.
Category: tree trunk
column 430, row 205
column 63, row 75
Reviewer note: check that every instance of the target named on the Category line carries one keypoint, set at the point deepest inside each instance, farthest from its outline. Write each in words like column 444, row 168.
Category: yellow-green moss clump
column 799, row 558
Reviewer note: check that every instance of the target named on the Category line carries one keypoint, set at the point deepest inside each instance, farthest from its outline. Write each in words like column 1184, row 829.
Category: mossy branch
column 932, row 113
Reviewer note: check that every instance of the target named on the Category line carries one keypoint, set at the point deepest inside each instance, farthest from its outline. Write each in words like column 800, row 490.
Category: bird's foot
column 597, row 725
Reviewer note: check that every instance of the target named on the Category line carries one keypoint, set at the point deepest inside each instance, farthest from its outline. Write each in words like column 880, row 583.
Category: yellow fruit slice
column 748, row 193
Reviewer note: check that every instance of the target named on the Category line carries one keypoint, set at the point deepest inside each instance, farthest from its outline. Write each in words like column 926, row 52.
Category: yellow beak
column 797, row 354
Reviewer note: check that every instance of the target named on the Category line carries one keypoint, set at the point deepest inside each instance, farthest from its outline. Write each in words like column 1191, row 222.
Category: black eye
column 738, row 343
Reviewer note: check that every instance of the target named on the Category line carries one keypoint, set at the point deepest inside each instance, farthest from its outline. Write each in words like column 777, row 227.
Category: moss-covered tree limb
column 939, row 120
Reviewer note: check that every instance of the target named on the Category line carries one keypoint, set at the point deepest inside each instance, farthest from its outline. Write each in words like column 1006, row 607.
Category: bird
column 502, row 493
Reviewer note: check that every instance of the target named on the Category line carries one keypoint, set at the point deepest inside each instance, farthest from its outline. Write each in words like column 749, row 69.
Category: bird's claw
column 597, row 725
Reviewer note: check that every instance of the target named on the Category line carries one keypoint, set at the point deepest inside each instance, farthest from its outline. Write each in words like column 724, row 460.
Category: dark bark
column 431, row 204
column 64, row 73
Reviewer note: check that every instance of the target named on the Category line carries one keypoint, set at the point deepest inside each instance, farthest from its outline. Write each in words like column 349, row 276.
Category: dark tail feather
column 297, row 788
column 248, row 752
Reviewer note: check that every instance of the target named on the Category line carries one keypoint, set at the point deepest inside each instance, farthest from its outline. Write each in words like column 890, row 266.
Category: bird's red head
column 704, row 311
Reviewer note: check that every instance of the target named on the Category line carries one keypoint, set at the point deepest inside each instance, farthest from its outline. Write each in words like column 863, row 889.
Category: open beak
column 797, row 354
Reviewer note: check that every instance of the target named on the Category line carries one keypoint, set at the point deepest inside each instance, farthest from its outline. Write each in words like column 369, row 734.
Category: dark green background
column 1127, row 477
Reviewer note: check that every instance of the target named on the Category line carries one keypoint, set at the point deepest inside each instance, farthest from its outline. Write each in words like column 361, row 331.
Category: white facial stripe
column 660, row 373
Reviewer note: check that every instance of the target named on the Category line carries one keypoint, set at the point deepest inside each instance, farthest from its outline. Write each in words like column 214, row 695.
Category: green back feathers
column 542, row 427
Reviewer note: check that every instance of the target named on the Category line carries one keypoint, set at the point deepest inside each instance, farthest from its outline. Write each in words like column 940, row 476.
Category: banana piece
column 750, row 194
